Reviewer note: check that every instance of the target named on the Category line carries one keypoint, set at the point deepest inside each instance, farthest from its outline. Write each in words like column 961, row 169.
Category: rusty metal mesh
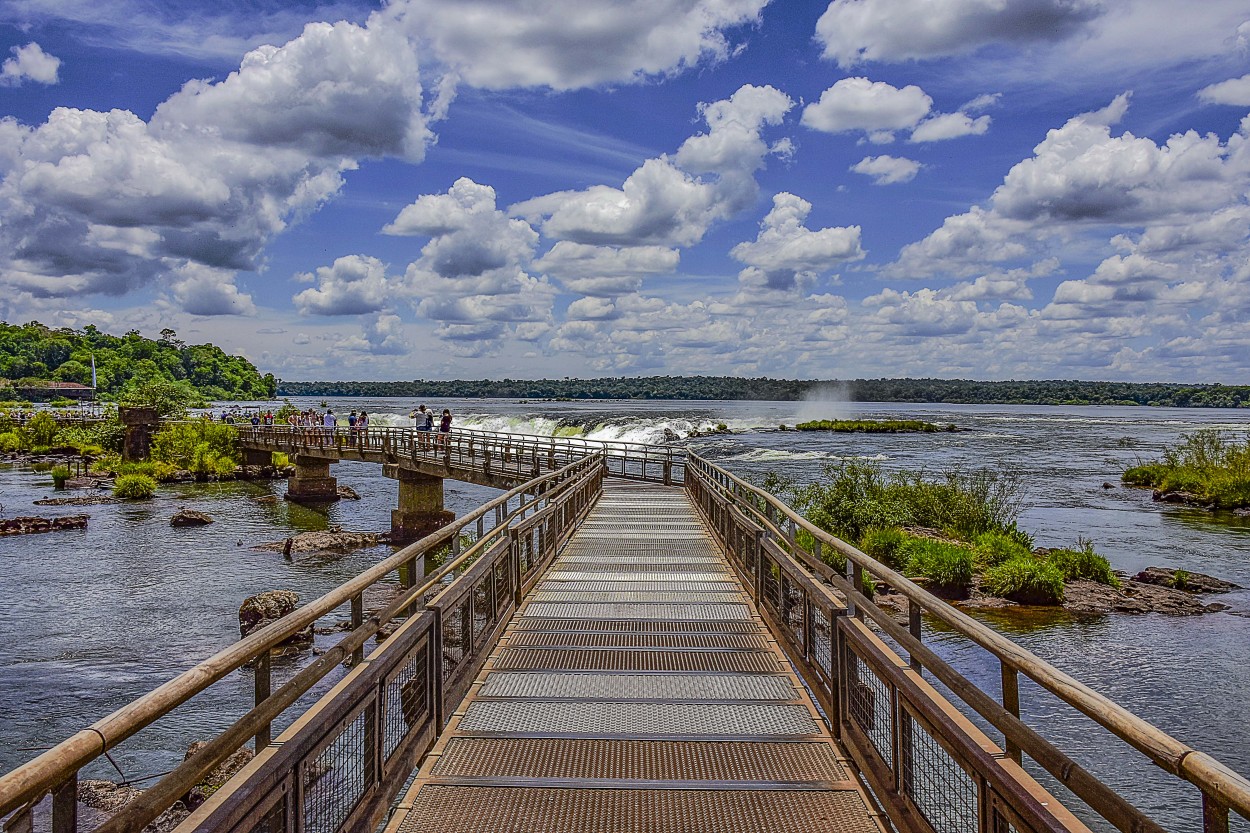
column 406, row 700
column 868, row 700
column 941, row 789
column 337, row 778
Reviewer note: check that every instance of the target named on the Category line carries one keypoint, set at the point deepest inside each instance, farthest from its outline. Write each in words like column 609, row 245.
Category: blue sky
column 957, row 188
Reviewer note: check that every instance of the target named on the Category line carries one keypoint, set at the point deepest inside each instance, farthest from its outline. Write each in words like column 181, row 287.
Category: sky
column 417, row 189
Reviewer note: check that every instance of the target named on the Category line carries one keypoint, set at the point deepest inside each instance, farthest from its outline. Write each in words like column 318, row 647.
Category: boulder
column 1189, row 581
column 266, row 608
column 348, row 493
column 190, row 517
column 1133, row 597
column 1108, row 485
column 212, row 782
column 33, row 524
column 80, row 500
column 105, row 798
column 334, row 539
column 1177, row 496
column 266, row 499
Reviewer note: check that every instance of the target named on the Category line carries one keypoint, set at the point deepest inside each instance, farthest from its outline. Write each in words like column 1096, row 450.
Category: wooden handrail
column 53, row 766
column 1198, row 768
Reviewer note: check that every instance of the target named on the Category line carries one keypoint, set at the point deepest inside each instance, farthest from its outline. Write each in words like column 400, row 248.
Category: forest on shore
column 956, row 391
column 31, row 355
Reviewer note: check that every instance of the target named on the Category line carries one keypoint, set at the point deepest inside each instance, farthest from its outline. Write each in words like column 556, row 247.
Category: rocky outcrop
column 348, row 493
column 29, row 525
column 334, row 539
column 1179, row 496
column 266, row 608
column 190, row 517
column 1184, row 580
column 105, row 798
column 212, row 782
column 80, row 500
column 1134, row 597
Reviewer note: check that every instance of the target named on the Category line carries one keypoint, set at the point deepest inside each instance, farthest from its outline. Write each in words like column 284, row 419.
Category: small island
column 873, row 426
column 1208, row 469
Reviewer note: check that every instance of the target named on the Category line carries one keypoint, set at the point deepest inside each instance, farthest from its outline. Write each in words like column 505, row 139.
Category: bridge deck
column 637, row 691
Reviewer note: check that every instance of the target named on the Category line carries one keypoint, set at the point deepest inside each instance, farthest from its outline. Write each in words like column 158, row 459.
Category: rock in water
column 333, row 540
column 212, row 782
column 348, row 493
column 1187, row 581
column 266, row 608
column 28, row 525
column 189, row 517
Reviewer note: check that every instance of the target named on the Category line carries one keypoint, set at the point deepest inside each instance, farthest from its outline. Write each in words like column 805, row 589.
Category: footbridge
column 607, row 653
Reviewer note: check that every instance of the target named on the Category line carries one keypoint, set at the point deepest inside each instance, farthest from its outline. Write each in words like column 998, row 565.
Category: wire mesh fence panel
column 336, row 779
column 272, row 820
column 942, row 790
column 406, row 700
column 868, row 703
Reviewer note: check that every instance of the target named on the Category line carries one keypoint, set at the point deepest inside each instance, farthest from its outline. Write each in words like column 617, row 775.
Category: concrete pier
column 420, row 507
column 312, row 481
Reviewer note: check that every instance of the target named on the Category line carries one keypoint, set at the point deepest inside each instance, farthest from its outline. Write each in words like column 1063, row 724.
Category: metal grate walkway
column 636, row 691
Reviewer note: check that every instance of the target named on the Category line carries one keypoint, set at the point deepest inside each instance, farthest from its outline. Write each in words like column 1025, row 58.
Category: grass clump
column 1209, row 464
column 887, row 546
column 990, row 549
column 947, row 567
column 134, row 486
column 59, row 475
column 201, row 446
column 1025, row 579
column 1083, row 563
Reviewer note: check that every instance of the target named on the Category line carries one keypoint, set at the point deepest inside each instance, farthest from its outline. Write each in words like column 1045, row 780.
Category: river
column 90, row 619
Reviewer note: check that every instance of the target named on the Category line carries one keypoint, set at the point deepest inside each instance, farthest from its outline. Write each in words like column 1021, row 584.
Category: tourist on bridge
column 329, row 423
column 424, row 420
column 444, row 426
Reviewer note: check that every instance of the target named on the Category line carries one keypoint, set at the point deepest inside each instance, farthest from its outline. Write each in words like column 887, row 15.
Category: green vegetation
column 202, row 447
column 134, row 486
column 40, row 430
column 32, row 354
column 872, row 426
column 1054, row 392
column 59, row 475
column 1180, row 579
column 1025, row 579
column 1210, row 465
column 944, row 529
column 947, row 567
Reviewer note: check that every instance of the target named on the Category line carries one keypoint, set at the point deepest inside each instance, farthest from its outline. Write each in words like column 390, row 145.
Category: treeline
column 32, row 353
column 859, row 390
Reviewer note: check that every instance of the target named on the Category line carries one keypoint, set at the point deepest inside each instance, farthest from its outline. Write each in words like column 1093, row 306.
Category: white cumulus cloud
column 1234, row 91
column 887, row 170
column 353, row 285
column 786, row 254
column 858, row 31
column 29, row 63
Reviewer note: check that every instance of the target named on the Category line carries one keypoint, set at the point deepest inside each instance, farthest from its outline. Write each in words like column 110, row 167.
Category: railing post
column 1214, row 815
column 358, row 619
column 1011, row 702
column 262, row 685
column 913, row 625
column 65, row 805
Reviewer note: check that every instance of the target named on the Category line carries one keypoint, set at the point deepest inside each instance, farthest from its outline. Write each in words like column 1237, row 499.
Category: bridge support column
column 420, row 509
column 257, row 457
column 312, row 482
column 141, row 424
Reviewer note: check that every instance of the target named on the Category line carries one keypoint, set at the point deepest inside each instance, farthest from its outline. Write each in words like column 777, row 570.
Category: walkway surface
column 636, row 691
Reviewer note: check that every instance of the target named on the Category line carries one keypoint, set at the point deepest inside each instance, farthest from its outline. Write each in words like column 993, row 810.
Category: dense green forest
column 858, row 390
column 32, row 353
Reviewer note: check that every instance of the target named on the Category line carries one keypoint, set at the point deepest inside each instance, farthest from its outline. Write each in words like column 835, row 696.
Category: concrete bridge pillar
column 257, row 457
column 420, row 509
column 312, row 482
column 141, row 423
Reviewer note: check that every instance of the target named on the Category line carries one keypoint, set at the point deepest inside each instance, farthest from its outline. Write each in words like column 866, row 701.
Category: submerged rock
column 190, row 517
column 1184, row 580
column 334, row 539
column 33, row 524
column 81, row 500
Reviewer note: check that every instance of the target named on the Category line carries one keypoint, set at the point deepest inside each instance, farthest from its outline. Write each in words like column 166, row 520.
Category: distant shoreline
column 707, row 388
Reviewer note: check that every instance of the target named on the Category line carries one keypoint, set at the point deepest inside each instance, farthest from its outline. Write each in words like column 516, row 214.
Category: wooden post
column 1011, row 702
column 913, row 625
column 358, row 619
column 261, row 671
column 65, row 806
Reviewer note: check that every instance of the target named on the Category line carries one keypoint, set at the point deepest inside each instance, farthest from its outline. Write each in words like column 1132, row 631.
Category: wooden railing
column 931, row 767
column 377, row 722
column 525, row 454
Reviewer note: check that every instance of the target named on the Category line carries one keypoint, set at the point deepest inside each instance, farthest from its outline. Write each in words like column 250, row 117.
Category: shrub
column 201, row 446
column 12, row 441
column 41, row 429
column 1083, row 563
column 59, row 475
column 281, row 459
column 885, row 545
column 1180, row 579
column 1025, row 579
column 134, row 486
column 992, row 548
column 1209, row 464
column 948, row 567
column 61, row 402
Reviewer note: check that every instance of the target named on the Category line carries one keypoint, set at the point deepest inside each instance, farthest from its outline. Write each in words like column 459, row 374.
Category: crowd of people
column 357, row 423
